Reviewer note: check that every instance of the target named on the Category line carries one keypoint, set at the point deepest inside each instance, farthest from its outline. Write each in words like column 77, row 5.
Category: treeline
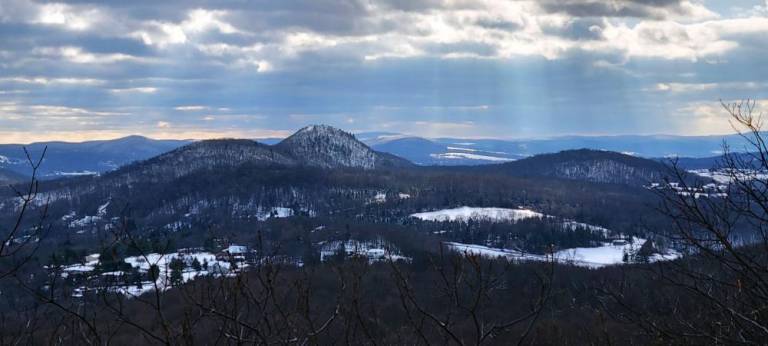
column 448, row 299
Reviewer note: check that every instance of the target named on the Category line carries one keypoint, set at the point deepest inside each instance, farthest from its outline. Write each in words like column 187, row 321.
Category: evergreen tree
column 177, row 269
column 196, row 265
column 153, row 273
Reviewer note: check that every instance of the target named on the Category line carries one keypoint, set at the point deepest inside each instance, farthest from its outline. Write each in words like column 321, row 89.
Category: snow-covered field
column 471, row 213
column 470, row 156
column 594, row 257
column 499, row 215
column 724, row 176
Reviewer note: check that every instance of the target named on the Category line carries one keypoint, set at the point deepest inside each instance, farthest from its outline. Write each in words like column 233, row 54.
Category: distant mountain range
column 96, row 157
column 85, row 158
column 458, row 151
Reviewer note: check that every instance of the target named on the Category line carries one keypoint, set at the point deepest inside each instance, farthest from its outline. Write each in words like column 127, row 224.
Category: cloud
column 710, row 117
column 66, row 16
column 260, row 64
column 190, row 108
column 141, row 90
column 699, row 87
column 654, row 9
column 79, row 56
column 51, row 81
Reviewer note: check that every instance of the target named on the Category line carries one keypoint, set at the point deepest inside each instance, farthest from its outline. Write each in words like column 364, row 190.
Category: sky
column 195, row 69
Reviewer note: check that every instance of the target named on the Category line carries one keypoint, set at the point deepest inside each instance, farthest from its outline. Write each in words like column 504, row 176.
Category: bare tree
column 466, row 289
column 719, row 293
column 21, row 241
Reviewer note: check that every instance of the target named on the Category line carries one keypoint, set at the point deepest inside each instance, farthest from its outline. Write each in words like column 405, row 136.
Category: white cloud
column 66, row 16
column 664, row 40
column 685, row 87
column 198, row 21
column 699, row 87
column 141, row 90
column 52, row 81
column 190, row 108
column 48, row 116
column 79, row 56
column 703, row 118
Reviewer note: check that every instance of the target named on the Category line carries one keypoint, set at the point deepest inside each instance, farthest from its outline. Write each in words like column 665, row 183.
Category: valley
column 213, row 211
column 228, row 192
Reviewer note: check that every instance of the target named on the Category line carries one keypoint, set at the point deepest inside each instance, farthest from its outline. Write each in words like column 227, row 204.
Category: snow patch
column 725, row 176
column 464, row 214
column 595, row 257
column 469, row 156
column 470, row 213
column 73, row 174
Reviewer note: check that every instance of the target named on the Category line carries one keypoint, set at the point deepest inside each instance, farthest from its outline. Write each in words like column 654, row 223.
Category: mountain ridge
column 319, row 146
column 597, row 166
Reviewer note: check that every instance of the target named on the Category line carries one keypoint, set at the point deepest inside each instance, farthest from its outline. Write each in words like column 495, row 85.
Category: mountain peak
column 329, row 147
column 322, row 130
column 326, row 146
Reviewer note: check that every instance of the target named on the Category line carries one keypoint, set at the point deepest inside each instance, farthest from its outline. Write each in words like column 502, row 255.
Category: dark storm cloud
column 620, row 8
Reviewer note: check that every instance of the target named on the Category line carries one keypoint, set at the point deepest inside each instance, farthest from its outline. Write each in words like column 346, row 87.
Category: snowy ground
column 470, row 213
column 499, row 215
column 162, row 261
column 595, row 257
column 381, row 197
column 374, row 250
column 470, row 156
column 87, row 220
column 706, row 191
column 276, row 212
column 724, row 176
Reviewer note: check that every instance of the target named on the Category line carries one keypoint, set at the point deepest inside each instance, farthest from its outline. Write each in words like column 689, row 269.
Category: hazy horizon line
column 357, row 133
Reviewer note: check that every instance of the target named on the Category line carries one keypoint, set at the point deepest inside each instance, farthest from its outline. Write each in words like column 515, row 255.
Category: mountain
column 95, row 157
column 208, row 154
column 328, row 147
column 458, row 151
column 587, row 165
column 234, row 183
column 85, row 158
column 317, row 146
